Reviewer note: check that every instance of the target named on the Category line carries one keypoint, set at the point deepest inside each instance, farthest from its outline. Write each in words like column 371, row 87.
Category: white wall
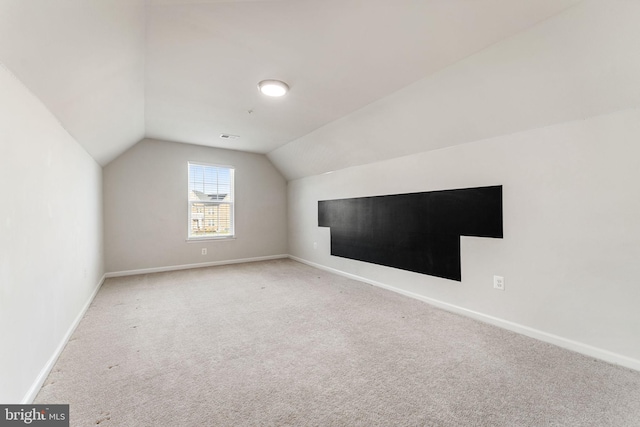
column 51, row 237
column 145, row 205
column 571, row 248
column 552, row 115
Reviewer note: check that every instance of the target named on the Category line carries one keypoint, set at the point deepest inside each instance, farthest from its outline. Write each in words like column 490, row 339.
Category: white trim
column 189, row 266
column 215, row 165
column 232, row 203
column 578, row 347
column 44, row 373
column 568, row 344
column 210, row 238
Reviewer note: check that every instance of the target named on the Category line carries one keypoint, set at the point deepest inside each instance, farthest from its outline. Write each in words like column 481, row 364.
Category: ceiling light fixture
column 273, row 87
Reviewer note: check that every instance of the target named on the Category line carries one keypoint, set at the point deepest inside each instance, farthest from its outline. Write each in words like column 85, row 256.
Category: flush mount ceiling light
column 273, row 87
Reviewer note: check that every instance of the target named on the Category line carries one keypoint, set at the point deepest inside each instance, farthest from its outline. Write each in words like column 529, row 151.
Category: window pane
column 210, row 201
column 211, row 219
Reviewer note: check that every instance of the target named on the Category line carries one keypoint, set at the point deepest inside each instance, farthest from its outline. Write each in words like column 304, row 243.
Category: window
column 210, row 201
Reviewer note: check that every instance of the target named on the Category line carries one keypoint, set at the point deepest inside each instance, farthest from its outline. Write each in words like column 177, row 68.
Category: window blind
column 211, row 201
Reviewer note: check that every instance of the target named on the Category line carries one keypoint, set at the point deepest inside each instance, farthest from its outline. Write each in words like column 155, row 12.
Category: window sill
column 209, row 238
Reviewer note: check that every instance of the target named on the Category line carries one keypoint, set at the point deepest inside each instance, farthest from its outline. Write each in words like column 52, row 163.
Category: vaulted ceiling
column 204, row 59
column 115, row 71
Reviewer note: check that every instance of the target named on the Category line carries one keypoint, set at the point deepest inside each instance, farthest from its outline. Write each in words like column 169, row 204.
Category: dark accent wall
column 418, row 232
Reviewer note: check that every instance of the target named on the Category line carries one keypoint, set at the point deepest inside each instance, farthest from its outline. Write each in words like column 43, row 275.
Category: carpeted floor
column 280, row 343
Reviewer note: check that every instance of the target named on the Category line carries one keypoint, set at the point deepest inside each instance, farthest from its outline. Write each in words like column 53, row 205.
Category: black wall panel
column 418, row 232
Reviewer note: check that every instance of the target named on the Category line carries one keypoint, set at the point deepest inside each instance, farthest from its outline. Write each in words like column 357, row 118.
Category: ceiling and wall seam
column 470, row 143
column 580, row 57
column 48, row 111
column 439, row 71
column 201, row 25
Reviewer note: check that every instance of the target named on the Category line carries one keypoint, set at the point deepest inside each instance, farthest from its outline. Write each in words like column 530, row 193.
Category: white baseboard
column 44, row 373
column 189, row 266
column 578, row 347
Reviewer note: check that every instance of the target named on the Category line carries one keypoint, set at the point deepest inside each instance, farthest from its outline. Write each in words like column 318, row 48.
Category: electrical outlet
column 315, row 245
column 204, row 251
column 498, row 282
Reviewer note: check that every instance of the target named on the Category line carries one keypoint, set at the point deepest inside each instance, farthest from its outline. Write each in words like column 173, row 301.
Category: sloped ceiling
column 85, row 61
column 204, row 59
column 114, row 71
column 575, row 65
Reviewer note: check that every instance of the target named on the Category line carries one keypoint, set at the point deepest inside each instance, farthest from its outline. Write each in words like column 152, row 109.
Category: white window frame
column 230, row 203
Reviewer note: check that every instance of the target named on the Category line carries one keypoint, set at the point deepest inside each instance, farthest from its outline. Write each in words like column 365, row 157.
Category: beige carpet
column 280, row 343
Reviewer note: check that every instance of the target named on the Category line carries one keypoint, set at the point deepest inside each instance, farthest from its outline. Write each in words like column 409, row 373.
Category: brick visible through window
column 210, row 201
